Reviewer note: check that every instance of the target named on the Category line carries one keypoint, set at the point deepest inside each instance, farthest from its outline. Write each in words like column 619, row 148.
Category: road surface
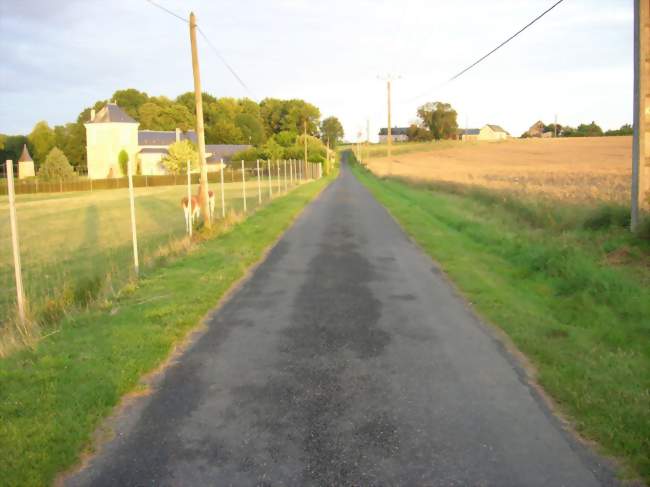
column 346, row 359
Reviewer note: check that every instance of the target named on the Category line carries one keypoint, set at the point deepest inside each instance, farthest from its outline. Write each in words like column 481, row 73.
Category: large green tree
column 331, row 131
column 440, row 118
column 13, row 147
column 130, row 100
column 71, row 139
column 42, row 140
column 160, row 113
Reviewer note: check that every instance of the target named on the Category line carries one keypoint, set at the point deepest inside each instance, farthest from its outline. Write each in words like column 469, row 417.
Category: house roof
column 163, row 137
column 393, row 131
column 223, row 151
column 470, row 131
column 24, row 157
column 111, row 113
column 497, row 128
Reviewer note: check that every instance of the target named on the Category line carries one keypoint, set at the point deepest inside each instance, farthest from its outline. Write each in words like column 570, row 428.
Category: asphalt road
column 346, row 359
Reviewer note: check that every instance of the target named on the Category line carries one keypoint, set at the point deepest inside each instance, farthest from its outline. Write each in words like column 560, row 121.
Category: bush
column 56, row 167
column 179, row 153
column 123, row 160
column 606, row 216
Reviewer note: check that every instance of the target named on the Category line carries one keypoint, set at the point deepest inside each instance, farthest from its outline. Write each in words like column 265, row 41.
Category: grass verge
column 580, row 316
column 53, row 397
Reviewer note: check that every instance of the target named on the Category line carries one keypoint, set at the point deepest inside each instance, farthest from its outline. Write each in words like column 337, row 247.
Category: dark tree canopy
column 440, row 118
column 331, row 131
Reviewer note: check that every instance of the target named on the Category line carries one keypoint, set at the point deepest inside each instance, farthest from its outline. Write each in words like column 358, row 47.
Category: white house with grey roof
column 112, row 130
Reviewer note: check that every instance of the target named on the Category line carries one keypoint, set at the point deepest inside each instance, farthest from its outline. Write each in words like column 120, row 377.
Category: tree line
column 272, row 126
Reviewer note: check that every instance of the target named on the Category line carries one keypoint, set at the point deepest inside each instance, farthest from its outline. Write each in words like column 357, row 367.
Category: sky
column 575, row 63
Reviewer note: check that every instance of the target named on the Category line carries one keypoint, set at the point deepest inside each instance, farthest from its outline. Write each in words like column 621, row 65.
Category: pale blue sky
column 61, row 56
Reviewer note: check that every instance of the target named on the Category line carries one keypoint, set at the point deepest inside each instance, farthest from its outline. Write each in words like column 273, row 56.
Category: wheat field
column 572, row 169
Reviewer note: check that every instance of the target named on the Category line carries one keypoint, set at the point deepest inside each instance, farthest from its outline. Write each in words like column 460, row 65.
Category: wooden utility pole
column 389, row 139
column 640, row 149
column 15, row 244
column 305, row 131
column 200, row 134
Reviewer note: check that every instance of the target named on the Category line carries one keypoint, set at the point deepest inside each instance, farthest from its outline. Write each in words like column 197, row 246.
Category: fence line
column 91, row 240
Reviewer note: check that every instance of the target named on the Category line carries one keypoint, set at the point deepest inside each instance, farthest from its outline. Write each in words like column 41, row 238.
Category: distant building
column 492, row 132
column 488, row 132
column 469, row 134
column 536, row 129
column 112, row 130
column 398, row 134
column 25, row 164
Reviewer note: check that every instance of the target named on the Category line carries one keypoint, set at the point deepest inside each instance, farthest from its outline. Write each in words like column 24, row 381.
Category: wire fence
column 76, row 243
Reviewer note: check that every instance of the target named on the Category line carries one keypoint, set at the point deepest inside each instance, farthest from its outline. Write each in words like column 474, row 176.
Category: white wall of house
column 383, row 139
column 488, row 134
column 104, row 141
column 150, row 163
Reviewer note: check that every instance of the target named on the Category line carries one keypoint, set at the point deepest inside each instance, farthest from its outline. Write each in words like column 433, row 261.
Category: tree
column 56, row 167
column 224, row 132
column 179, row 153
column 13, row 147
column 625, row 129
column 160, row 113
column 590, row 130
column 130, row 100
column 331, row 130
column 440, row 118
column 3, row 139
column 123, row 161
column 42, row 140
column 251, row 128
column 416, row 133
column 71, row 139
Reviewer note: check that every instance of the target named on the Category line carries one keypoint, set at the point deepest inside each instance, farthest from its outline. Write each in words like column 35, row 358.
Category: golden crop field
column 575, row 169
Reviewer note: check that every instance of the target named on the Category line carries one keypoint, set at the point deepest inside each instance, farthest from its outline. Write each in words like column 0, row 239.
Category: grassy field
column 54, row 396
column 76, row 246
column 570, row 169
column 568, row 284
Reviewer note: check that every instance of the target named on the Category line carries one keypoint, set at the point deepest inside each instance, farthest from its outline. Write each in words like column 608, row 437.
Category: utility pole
column 200, row 134
column 555, row 128
column 305, row 127
column 389, row 139
column 640, row 152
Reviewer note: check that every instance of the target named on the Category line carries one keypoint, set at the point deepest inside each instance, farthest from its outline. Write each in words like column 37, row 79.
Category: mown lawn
column 53, row 397
column 571, row 290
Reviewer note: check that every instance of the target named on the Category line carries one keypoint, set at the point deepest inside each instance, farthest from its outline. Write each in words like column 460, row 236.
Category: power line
column 168, row 11
column 223, row 60
column 482, row 58
column 219, row 55
column 506, row 41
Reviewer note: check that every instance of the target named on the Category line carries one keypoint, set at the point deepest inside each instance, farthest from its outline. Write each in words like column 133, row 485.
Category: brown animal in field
column 194, row 210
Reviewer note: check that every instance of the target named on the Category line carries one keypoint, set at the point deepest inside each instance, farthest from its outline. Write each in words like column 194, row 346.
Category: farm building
column 492, row 132
column 25, row 164
column 470, row 134
column 398, row 134
column 112, row 130
column 536, row 129
column 487, row 132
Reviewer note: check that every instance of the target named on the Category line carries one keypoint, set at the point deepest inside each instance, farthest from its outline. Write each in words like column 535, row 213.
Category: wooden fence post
column 20, row 293
column 136, row 263
column 189, row 200
column 285, row 175
column 259, row 183
column 277, row 162
column 243, row 185
column 268, row 163
column 223, row 197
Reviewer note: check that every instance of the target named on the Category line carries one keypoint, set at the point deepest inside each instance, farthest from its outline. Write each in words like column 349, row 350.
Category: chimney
column 178, row 134
column 92, row 114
